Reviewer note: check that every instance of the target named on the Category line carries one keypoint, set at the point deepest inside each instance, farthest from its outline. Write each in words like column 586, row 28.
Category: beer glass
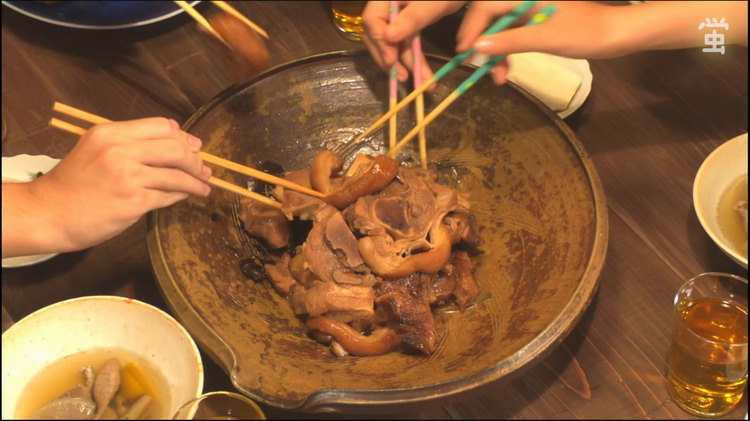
column 708, row 357
column 347, row 17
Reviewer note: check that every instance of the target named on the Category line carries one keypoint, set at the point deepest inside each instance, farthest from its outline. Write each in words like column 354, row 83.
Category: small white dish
column 22, row 169
column 721, row 170
column 577, row 66
column 87, row 323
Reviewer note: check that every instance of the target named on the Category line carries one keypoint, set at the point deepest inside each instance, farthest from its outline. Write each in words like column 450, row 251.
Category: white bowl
column 22, row 169
column 723, row 167
column 79, row 324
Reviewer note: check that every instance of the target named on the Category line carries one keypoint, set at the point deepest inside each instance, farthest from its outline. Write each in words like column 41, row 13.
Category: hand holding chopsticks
column 538, row 18
column 502, row 23
column 91, row 118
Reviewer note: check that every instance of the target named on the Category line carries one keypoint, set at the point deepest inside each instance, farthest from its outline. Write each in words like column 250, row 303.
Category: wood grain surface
column 650, row 121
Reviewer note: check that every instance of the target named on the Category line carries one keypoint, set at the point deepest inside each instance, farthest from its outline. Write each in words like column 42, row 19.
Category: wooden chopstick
column 232, row 11
column 233, row 166
column 72, row 128
column 260, row 175
column 201, row 20
column 392, row 83
column 498, row 26
column 416, row 48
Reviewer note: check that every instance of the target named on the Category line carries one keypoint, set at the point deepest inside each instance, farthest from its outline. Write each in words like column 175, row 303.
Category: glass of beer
column 347, row 17
column 220, row 406
column 708, row 357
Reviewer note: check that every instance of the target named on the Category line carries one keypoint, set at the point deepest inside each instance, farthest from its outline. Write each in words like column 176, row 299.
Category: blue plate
column 98, row 14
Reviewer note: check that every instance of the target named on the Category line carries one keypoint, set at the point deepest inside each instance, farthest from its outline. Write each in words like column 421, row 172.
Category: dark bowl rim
column 359, row 401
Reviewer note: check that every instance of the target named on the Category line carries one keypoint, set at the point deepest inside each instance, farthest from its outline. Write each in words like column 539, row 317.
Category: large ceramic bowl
column 86, row 323
column 719, row 173
column 538, row 202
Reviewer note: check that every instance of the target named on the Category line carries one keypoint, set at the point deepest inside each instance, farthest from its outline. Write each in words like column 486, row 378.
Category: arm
column 592, row 31
column 116, row 173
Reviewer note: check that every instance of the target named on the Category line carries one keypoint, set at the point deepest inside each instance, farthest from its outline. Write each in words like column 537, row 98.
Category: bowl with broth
column 101, row 356
column 720, row 197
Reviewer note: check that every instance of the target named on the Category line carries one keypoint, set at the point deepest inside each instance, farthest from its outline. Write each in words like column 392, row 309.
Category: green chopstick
column 538, row 18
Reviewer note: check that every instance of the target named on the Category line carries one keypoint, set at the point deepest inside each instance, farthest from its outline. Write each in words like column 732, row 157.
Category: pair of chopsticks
column 502, row 23
column 95, row 119
column 416, row 47
column 225, row 7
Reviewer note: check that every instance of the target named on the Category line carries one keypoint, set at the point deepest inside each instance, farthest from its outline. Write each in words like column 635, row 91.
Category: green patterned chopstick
column 538, row 18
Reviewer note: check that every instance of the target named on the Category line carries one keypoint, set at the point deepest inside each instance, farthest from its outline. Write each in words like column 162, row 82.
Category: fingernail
column 482, row 45
column 207, row 190
column 174, row 123
column 206, row 172
column 195, row 143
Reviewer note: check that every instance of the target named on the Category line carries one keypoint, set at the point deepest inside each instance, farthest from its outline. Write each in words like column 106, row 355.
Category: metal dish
column 538, row 201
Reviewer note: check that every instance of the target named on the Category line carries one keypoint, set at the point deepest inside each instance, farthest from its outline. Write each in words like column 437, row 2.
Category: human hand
column 116, row 173
column 578, row 29
column 390, row 43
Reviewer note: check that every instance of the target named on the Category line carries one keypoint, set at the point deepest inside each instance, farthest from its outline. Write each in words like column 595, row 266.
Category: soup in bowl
column 102, row 356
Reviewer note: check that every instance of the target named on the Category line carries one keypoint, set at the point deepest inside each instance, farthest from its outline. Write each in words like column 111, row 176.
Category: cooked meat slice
column 351, row 278
column 325, row 165
column 380, row 173
column 406, row 211
column 386, row 259
column 416, row 326
column 106, row 384
column 66, row 409
column 280, row 276
column 417, row 285
column 265, row 222
column 320, row 259
column 466, row 288
column 248, row 55
column 83, row 390
column 75, row 404
column 297, row 299
column 443, row 286
column 296, row 204
column 299, row 270
column 342, row 240
column 380, row 341
column 323, row 297
column 462, row 229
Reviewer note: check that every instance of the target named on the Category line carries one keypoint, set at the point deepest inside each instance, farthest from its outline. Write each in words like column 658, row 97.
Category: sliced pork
column 379, row 255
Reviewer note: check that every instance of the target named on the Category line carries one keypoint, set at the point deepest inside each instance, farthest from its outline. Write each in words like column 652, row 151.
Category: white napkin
column 543, row 76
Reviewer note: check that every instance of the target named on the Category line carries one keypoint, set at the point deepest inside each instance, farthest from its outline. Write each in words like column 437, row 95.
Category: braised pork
column 379, row 255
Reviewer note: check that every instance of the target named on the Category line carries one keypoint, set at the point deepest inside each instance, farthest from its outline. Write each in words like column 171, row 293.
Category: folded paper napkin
column 542, row 75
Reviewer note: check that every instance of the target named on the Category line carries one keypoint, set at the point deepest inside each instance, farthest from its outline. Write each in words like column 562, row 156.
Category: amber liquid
column 707, row 377
column 347, row 16
column 57, row 378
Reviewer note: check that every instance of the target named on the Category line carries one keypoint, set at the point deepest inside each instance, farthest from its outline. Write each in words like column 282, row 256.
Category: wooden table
column 650, row 121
